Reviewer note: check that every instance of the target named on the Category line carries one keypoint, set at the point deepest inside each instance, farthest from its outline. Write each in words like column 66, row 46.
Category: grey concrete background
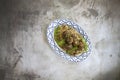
column 26, row 55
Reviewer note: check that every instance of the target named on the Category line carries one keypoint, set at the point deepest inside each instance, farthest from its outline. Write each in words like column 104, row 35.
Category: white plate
column 57, row 49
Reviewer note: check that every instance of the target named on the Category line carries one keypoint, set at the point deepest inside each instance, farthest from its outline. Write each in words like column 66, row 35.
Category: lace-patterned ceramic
column 57, row 49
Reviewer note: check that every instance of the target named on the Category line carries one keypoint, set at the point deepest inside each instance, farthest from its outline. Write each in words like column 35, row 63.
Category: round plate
column 57, row 49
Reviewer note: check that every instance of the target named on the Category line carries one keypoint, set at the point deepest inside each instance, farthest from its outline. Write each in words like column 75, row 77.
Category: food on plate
column 68, row 39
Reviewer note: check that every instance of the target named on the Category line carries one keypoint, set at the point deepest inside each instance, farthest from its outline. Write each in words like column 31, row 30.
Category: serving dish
column 57, row 49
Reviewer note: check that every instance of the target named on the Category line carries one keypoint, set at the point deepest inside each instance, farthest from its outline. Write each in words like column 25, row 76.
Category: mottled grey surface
column 26, row 55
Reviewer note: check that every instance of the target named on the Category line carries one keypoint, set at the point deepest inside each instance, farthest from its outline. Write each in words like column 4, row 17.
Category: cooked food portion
column 70, row 40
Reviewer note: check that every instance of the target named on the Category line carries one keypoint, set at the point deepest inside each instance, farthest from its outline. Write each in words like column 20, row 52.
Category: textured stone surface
column 26, row 55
